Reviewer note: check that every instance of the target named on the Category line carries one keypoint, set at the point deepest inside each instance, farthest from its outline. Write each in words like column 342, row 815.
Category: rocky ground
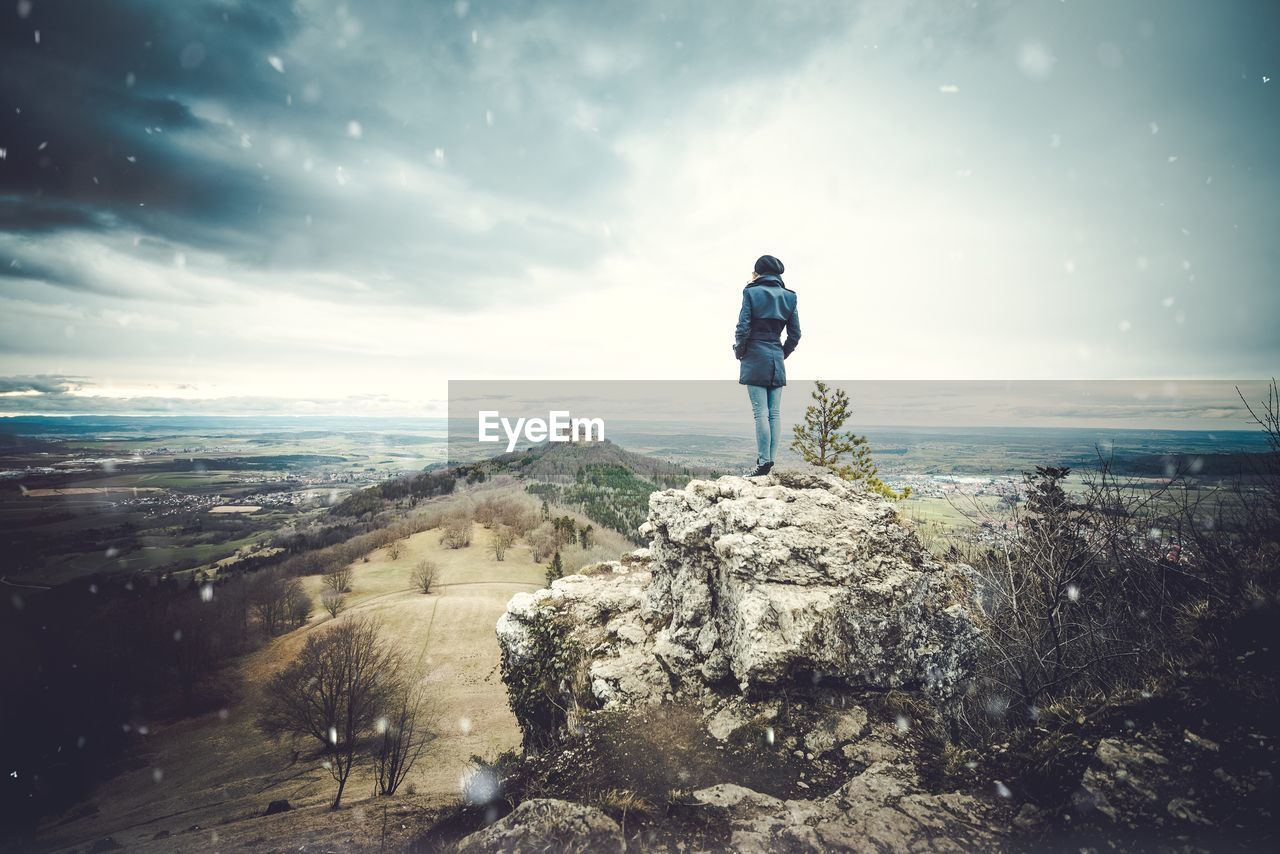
column 773, row 671
column 1187, row 766
column 776, row 672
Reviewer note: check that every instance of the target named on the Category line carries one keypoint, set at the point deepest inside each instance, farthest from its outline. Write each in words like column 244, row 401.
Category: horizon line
column 1088, row 426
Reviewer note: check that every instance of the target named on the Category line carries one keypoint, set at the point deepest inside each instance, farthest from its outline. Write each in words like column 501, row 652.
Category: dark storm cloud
column 87, row 107
column 234, row 128
column 34, row 216
column 45, row 384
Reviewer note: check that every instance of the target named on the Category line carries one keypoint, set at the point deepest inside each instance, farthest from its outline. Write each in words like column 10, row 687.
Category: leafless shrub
column 524, row 521
column 501, row 541
column 395, row 550
column 489, row 510
column 428, row 519
column 542, row 541
column 1092, row 593
column 1076, row 602
column 457, row 531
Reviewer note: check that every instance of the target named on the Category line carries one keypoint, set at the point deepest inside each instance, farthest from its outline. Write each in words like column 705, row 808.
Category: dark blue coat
column 768, row 307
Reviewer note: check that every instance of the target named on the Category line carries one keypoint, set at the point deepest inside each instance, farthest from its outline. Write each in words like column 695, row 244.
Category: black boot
column 761, row 468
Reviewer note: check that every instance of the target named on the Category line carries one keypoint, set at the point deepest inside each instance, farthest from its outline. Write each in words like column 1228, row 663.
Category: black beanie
column 767, row 265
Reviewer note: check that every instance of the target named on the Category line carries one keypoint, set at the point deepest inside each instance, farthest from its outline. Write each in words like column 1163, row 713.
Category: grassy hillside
column 217, row 772
column 205, row 781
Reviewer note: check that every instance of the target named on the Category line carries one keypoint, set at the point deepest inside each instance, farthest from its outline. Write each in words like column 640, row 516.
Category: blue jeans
column 766, row 404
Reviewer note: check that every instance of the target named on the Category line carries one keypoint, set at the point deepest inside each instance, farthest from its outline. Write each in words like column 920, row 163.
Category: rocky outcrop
column 802, row 576
column 754, row 585
column 797, row 585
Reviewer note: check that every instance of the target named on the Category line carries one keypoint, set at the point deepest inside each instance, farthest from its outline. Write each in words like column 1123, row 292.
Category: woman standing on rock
column 768, row 306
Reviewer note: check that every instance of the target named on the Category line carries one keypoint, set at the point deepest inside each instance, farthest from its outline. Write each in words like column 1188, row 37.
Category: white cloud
column 606, row 222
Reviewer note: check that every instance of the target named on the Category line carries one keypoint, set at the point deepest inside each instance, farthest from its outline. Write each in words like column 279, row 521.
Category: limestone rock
column 881, row 809
column 755, row 584
column 837, row 730
column 796, row 590
column 802, row 575
column 1122, row 779
column 547, row 824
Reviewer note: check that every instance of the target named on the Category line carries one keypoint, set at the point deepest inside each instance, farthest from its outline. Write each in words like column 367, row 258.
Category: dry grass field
column 217, row 773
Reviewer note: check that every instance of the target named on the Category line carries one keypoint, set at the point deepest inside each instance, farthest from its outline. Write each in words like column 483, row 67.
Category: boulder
column 749, row 587
column 278, row 807
column 547, row 824
column 803, row 575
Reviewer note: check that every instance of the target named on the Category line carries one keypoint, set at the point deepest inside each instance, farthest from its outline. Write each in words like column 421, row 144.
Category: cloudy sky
column 316, row 206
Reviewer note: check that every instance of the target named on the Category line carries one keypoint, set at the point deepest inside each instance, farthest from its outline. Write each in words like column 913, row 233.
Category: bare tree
column 491, row 509
column 278, row 602
column 424, row 575
column 334, row 692
column 395, row 550
column 297, row 604
column 404, row 736
column 338, row 579
column 334, row 603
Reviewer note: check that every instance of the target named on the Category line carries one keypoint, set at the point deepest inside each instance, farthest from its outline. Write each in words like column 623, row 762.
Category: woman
column 768, row 306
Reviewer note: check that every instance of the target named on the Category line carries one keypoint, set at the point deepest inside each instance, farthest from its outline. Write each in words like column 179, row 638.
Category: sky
column 318, row 207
